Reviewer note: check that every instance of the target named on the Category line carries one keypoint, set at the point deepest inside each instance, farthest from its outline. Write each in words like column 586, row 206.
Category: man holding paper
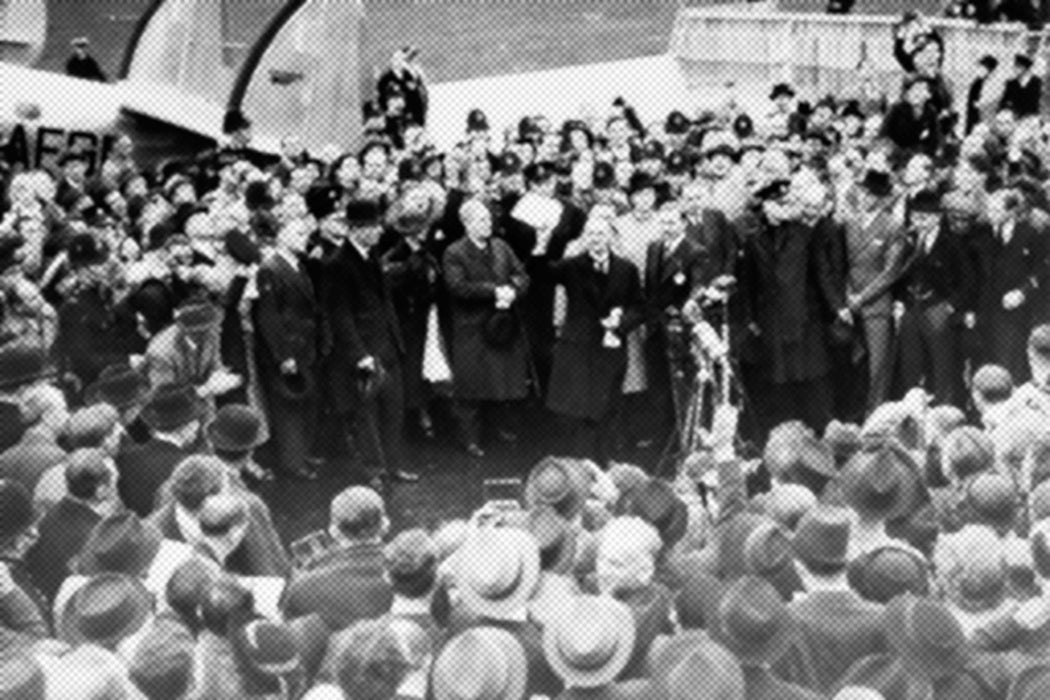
column 604, row 303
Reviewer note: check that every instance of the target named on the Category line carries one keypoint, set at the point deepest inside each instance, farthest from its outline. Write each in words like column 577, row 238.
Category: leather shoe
column 403, row 477
column 507, row 436
column 474, row 450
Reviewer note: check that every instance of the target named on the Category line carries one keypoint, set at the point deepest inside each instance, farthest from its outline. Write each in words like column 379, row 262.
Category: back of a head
column 86, row 471
column 225, row 601
column 373, row 659
column 358, row 513
column 194, row 479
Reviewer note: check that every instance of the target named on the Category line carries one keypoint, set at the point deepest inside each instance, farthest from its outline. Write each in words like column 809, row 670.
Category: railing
column 821, row 53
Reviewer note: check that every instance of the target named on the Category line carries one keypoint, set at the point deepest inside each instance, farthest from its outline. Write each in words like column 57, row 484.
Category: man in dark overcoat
column 1016, row 269
column 1023, row 92
column 787, row 313
column 590, row 358
column 486, row 283
column 366, row 347
column 286, row 315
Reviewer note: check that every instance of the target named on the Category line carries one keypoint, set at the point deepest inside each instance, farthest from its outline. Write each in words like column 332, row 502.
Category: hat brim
column 69, row 631
column 574, row 676
column 220, row 441
column 767, row 651
column 88, row 564
column 514, row 602
column 905, row 497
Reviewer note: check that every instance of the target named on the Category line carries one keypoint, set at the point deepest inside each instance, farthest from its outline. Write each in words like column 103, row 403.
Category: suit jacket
column 286, row 313
column 143, row 470
column 945, row 273
column 912, row 133
column 875, row 249
column 716, row 238
column 1022, row 263
column 92, row 335
column 672, row 279
column 1022, row 99
column 347, row 585
column 63, row 532
column 172, row 361
column 360, row 313
column 586, row 375
column 834, row 631
column 11, row 428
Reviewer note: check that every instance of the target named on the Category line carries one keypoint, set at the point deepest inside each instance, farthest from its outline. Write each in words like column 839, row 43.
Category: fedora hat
column 171, row 407
column 794, row 446
column 196, row 317
column 236, row 428
column 692, row 665
column 118, row 385
column 881, row 482
column 656, row 503
column 556, row 482
column 925, row 636
column 591, row 644
column 877, row 182
column 107, row 609
column 754, row 622
column 162, row 665
column 767, row 550
column 22, row 363
column 822, row 539
column 122, row 543
column 498, row 571
column 483, row 663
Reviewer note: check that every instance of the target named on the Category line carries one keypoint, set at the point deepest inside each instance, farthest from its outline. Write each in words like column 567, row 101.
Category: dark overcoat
column 586, row 375
column 481, row 372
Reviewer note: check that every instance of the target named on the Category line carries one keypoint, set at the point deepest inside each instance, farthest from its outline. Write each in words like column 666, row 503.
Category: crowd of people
column 865, row 278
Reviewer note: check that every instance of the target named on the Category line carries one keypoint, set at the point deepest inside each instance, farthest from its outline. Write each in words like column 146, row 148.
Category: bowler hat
column 993, row 383
column 21, row 363
column 989, row 61
column 269, row 647
column 84, row 249
column 477, row 121
column 887, row 572
column 657, row 504
column 877, row 182
column 591, row 644
column 119, row 386
column 321, row 200
column 482, row 663
column 122, row 543
column 604, row 175
column 677, row 163
column 257, row 196
column 538, row 172
column 171, row 406
column 1022, row 60
column 196, row 317
column 781, row 90
column 881, row 482
column 498, row 571
column 774, row 189
column 926, row 637
column 640, row 181
column 768, row 550
column 992, row 499
column 241, row 248
column 822, row 539
column 754, row 622
column 676, row 123
column 743, row 126
column 357, row 510
column 236, row 428
column 363, row 213
column 500, row 328
column 925, row 201
column 16, row 509
column 107, row 609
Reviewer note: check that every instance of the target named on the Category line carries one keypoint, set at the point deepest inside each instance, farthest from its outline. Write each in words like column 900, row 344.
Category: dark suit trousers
column 927, row 353
column 292, row 425
column 378, row 425
column 1006, row 341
